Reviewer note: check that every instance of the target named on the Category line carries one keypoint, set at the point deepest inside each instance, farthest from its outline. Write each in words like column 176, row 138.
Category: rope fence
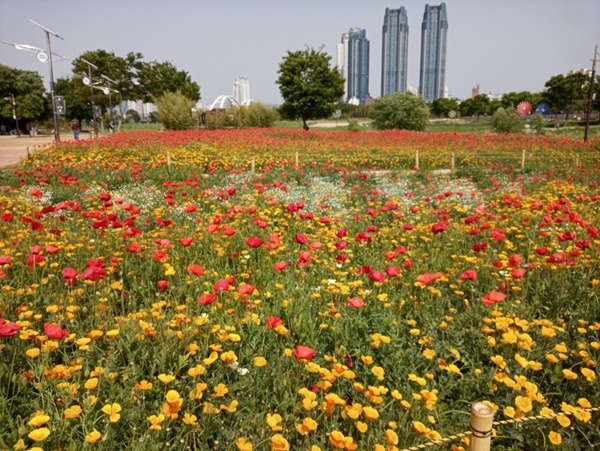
column 480, row 433
column 454, row 160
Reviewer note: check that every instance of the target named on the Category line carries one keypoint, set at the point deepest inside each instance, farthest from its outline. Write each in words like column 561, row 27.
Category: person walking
column 75, row 128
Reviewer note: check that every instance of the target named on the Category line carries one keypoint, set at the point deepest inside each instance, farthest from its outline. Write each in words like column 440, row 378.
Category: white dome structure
column 247, row 102
column 223, row 102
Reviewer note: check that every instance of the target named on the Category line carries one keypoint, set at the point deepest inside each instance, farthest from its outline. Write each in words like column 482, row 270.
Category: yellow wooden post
column 523, row 161
column 296, row 159
column 253, row 164
column 452, row 168
column 482, row 418
column 417, row 159
column 168, row 158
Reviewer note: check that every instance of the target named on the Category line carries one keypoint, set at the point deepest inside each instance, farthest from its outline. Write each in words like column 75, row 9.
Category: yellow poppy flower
column 112, row 410
column 37, row 435
column 93, row 437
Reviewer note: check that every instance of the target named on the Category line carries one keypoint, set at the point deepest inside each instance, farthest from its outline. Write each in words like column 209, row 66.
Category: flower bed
column 157, row 294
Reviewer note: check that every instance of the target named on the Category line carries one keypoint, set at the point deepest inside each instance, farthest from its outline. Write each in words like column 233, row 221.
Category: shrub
column 175, row 111
column 507, row 120
column 402, row 110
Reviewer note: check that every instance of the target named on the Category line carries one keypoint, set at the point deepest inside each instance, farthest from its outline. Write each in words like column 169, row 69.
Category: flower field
column 282, row 289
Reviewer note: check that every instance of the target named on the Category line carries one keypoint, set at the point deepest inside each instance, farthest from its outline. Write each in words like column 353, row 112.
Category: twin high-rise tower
column 353, row 55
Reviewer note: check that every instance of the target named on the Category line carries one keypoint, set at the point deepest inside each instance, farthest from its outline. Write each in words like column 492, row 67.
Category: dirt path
column 14, row 149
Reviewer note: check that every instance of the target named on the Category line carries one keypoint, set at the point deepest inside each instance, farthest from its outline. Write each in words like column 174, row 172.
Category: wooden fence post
column 253, row 164
column 482, row 418
column 168, row 158
column 296, row 159
column 523, row 161
column 576, row 161
column 452, row 165
column 417, row 159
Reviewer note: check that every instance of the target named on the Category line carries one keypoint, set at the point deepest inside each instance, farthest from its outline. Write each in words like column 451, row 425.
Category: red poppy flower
column 280, row 266
column 196, row 270
column 304, row 258
column 134, row 247
column 221, row 285
column 409, row 263
column 7, row 217
column 162, row 285
column 376, row 276
column 542, row 250
column 497, row 234
column 50, row 249
column 356, row 303
column 428, row 278
column 273, row 322
column 515, row 260
column 479, row 247
column 5, row 260
column 55, row 332
column 518, row 273
column 186, row 242
column 438, row 228
column 190, row 208
column 364, row 269
column 207, row 298
column 301, row 239
column 341, row 233
column 469, row 274
column 315, row 246
column 163, row 243
column 304, row 353
column 567, row 236
column 160, row 256
column 8, row 329
column 254, row 242
column 245, row 289
column 493, row 297
column 69, row 276
column 228, row 231
column 392, row 271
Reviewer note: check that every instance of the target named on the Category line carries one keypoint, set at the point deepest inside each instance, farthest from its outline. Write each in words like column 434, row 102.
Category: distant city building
column 241, row 91
column 394, row 51
column 434, row 33
column 342, row 62
column 353, row 61
column 143, row 108
column 475, row 91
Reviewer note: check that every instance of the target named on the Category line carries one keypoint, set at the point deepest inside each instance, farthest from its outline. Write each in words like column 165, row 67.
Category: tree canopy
column 132, row 79
column 402, row 110
column 310, row 87
column 567, row 93
column 28, row 90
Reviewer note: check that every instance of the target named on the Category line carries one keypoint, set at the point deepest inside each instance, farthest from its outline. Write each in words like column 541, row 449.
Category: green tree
column 507, row 120
column 156, row 79
column 477, row 106
column 512, row 99
column 310, row 87
column 442, row 106
column 175, row 111
column 567, row 94
column 29, row 94
column 402, row 110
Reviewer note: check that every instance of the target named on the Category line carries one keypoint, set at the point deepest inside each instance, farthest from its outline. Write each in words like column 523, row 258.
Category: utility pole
column 54, row 115
column 590, row 96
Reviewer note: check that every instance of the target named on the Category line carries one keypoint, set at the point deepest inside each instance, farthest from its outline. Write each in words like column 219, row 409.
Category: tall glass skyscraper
column 394, row 51
column 353, row 63
column 434, row 32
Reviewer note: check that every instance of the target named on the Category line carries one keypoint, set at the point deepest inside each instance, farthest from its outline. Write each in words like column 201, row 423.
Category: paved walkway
column 13, row 149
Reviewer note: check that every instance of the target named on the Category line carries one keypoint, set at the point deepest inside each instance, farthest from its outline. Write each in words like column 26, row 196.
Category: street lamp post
column 108, row 82
column 591, row 95
column 90, row 65
column 14, row 111
column 54, row 115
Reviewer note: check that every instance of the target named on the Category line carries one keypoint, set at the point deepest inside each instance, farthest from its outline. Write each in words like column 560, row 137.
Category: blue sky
column 500, row 45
